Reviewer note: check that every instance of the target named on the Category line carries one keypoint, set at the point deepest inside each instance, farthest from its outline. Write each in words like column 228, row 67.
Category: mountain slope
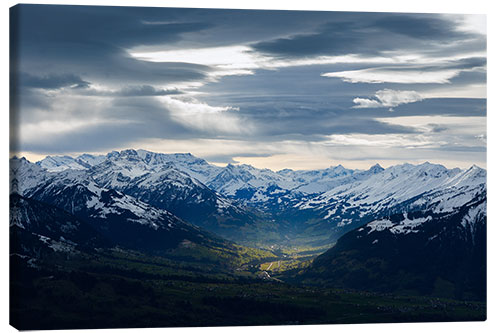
column 432, row 252
column 24, row 175
column 37, row 228
column 122, row 219
column 161, row 184
column 397, row 189
column 246, row 204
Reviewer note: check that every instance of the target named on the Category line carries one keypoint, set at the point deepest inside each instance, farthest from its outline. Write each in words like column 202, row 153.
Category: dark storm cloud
column 370, row 34
column 331, row 39
column 52, row 81
column 91, row 42
column 468, row 63
column 460, row 64
column 296, row 94
column 458, row 107
column 432, row 28
column 293, row 121
column 106, row 26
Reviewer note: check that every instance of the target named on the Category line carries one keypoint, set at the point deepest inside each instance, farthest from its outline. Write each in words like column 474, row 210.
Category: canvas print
column 218, row 167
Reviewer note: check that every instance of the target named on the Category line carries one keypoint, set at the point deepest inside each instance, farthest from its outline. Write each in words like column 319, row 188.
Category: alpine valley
column 137, row 238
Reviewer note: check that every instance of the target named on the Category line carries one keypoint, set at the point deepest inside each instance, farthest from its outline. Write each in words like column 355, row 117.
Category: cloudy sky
column 275, row 89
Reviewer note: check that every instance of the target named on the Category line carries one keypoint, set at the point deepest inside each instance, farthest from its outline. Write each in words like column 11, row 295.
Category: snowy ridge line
column 251, row 185
column 432, row 184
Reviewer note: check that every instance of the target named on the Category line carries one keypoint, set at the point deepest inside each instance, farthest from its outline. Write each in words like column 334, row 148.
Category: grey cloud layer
column 73, row 64
column 52, row 81
column 370, row 34
column 91, row 42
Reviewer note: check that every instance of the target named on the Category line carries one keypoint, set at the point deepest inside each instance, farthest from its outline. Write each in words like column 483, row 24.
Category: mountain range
column 421, row 221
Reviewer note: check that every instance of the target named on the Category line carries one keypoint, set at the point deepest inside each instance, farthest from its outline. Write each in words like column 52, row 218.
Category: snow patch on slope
column 405, row 226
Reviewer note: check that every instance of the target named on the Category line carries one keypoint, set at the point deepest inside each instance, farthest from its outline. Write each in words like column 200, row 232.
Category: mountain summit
column 251, row 205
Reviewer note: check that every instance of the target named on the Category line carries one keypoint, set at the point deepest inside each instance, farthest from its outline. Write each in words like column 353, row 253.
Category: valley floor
column 117, row 289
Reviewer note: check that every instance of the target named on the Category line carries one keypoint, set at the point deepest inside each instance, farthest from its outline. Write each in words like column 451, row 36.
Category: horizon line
column 378, row 162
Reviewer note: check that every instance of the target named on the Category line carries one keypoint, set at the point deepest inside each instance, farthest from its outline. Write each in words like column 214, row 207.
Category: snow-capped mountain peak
column 60, row 163
column 375, row 168
column 88, row 160
column 25, row 175
column 333, row 200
